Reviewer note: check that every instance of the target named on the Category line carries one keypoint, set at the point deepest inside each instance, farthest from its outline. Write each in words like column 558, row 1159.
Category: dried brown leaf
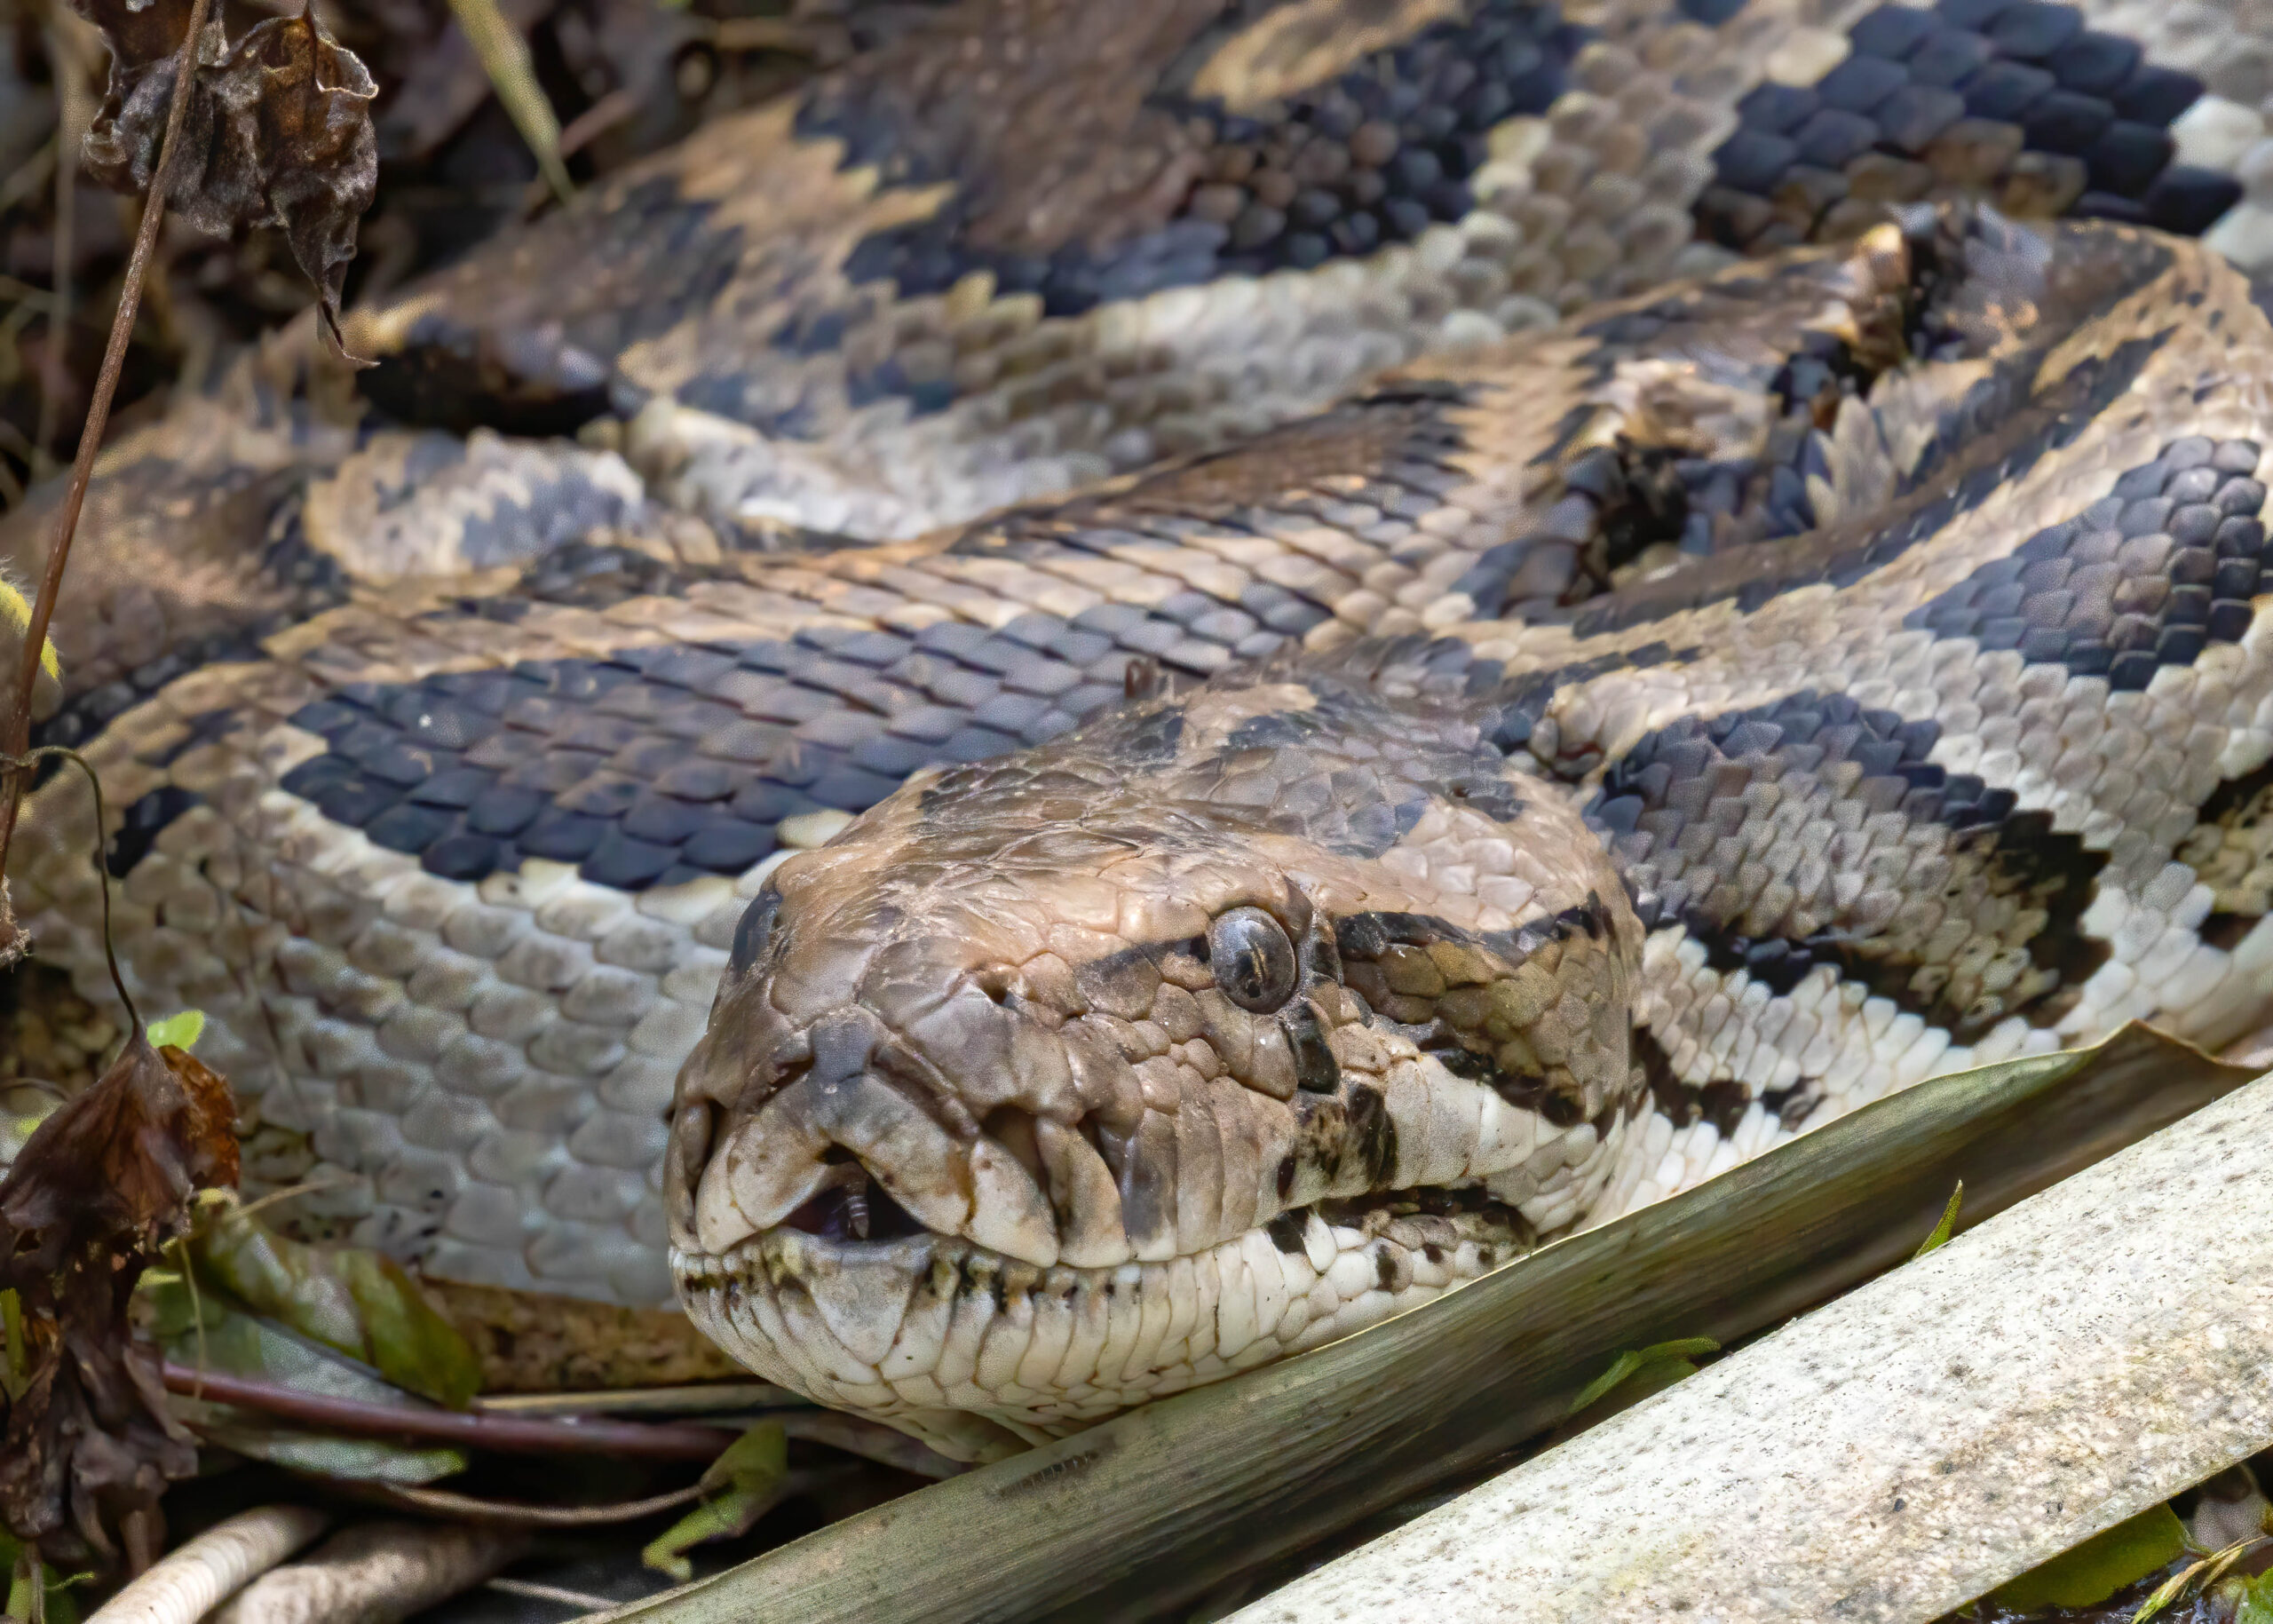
column 277, row 130
column 122, row 145
column 88, row 1443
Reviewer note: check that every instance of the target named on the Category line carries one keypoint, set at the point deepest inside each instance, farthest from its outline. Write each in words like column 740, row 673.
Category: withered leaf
column 87, row 1443
column 277, row 132
column 145, row 41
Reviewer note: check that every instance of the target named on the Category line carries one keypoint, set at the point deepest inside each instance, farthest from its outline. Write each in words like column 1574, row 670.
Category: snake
column 1127, row 686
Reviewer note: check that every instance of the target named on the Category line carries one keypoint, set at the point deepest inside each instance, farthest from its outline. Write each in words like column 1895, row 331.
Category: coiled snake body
column 1719, row 681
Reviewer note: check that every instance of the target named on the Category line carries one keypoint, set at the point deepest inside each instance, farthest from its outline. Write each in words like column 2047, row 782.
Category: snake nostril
column 1012, row 1127
column 693, row 1124
column 755, row 931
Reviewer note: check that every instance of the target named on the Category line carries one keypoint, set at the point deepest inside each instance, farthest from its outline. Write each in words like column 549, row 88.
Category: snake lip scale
column 1141, row 729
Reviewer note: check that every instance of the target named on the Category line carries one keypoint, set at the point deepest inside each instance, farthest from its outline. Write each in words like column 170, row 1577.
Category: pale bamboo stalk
column 2067, row 1364
column 376, row 1574
column 189, row 1582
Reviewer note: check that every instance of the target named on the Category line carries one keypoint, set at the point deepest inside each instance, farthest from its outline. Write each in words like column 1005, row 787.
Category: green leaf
column 1624, row 1365
column 1669, row 1361
column 1941, row 1236
column 61, row 1608
column 413, row 1346
column 2100, row 1566
column 321, row 1455
column 206, row 1330
column 13, row 1355
column 180, row 1031
column 281, row 1278
column 743, row 1483
column 2251, row 1599
column 356, row 1300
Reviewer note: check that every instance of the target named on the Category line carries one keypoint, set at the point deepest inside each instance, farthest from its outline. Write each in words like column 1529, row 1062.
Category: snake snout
column 861, row 1143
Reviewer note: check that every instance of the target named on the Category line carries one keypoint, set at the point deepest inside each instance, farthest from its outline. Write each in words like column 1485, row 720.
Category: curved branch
column 505, row 1434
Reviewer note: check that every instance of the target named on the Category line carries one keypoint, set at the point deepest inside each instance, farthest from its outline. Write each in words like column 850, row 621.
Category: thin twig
column 38, row 299
column 73, row 113
column 871, row 1440
column 293, row 1193
column 703, row 1399
column 507, row 1434
column 17, row 734
column 597, row 120
column 518, row 1514
column 581, row 1600
column 17, row 765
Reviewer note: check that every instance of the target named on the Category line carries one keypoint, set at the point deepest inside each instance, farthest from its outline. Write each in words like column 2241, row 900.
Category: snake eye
column 1253, row 960
column 751, row 935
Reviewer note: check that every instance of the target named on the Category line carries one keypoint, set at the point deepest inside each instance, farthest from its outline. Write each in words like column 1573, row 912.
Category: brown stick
column 477, row 1429
column 17, row 736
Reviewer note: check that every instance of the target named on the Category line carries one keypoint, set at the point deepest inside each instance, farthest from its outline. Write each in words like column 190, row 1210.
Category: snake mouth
column 853, row 1205
column 978, row 1353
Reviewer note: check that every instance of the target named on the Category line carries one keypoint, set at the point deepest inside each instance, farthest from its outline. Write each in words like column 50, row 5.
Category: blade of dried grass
column 504, row 57
column 516, row 1514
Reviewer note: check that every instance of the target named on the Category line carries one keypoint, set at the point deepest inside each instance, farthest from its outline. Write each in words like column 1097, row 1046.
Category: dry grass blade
column 515, row 1514
column 582, row 1600
column 504, row 57
column 277, row 129
column 2005, row 1418
column 76, row 106
column 2195, row 1579
column 707, row 1398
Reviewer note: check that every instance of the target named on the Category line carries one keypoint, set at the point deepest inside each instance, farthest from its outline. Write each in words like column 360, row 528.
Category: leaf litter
column 102, row 1185
column 277, row 130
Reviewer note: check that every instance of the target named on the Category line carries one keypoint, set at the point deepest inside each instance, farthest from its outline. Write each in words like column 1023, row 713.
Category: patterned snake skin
column 1714, row 682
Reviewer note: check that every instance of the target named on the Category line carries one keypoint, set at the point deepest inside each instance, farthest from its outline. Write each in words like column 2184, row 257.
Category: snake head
column 1207, row 1033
